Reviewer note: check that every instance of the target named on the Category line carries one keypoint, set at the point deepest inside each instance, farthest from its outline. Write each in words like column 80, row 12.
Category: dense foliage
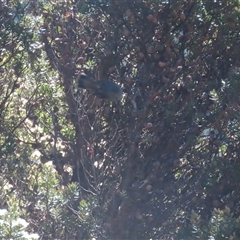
column 162, row 163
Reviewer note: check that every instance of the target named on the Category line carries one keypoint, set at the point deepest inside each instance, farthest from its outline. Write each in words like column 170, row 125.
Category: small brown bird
column 104, row 89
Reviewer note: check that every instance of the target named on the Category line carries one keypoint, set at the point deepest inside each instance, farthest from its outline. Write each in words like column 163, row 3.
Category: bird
column 104, row 89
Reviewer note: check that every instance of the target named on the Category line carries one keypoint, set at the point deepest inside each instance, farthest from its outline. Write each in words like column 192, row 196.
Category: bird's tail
column 86, row 83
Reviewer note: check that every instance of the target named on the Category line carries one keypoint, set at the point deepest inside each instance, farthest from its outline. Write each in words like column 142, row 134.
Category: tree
column 165, row 153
